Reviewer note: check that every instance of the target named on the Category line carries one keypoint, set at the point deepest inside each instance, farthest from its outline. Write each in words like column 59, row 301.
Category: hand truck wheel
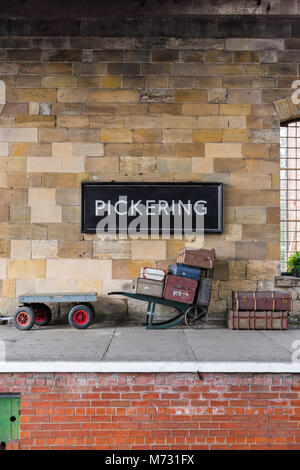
column 193, row 315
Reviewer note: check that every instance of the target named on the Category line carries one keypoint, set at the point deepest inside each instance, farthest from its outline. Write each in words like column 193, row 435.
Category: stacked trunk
column 188, row 281
column 261, row 310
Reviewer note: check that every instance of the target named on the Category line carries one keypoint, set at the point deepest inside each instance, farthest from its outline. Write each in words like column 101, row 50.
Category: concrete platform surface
column 135, row 349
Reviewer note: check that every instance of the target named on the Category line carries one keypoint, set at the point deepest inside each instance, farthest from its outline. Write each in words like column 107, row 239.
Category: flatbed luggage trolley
column 191, row 314
column 35, row 311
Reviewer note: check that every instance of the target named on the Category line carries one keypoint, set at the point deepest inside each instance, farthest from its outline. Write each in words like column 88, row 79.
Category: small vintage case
column 148, row 287
column 201, row 258
column 243, row 300
column 283, row 301
column 180, row 289
column 183, row 270
column 204, row 291
column 153, row 274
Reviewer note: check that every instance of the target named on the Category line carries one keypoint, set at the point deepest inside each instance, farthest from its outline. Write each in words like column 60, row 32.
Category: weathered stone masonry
column 181, row 103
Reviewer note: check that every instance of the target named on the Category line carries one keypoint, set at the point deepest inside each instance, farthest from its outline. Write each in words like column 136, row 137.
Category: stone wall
column 138, row 109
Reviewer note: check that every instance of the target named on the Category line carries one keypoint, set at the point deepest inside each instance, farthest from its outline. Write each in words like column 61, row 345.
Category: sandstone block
column 104, row 164
column 9, row 288
column 254, row 232
column 37, row 196
column 230, row 165
column 237, row 269
column 43, row 164
column 90, row 286
column 3, row 268
column 111, row 249
column 186, row 96
column 127, row 269
column 168, row 165
column 137, row 165
column 71, row 214
column 146, row 248
column 20, row 214
column 217, row 95
column 10, row 134
column 88, row 81
column 42, row 213
column 202, row 165
column 213, row 122
column 44, row 249
column 262, row 270
column 147, row 135
column 52, row 135
column 207, row 135
column 226, row 287
column 273, row 251
column 26, row 269
column 56, row 81
column 189, row 150
column 111, row 81
column 114, row 96
column 115, row 135
column 62, row 149
column 177, row 135
column 20, row 249
column 40, row 95
column 235, row 135
column 72, row 121
column 73, row 164
column 86, row 269
column 203, row 109
column 74, row 249
column 4, row 248
column 51, row 285
column 23, row 120
column 251, row 215
column 254, row 250
column 219, row 150
column 142, row 122
column 235, row 109
column 110, row 121
column 72, row 95
column 153, row 95
column 178, row 122
column 68, row 196
column 233, row 232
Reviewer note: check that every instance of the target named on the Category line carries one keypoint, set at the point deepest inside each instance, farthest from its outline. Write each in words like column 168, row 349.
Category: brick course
column 156, row 411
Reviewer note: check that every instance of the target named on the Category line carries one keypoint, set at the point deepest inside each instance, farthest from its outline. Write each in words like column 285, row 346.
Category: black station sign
column 153, row 208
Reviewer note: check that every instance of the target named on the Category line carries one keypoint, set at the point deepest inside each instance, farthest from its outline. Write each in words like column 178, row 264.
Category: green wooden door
column 9, row 418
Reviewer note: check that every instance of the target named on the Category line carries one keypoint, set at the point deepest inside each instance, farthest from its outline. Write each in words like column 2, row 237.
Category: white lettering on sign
column 135, row 207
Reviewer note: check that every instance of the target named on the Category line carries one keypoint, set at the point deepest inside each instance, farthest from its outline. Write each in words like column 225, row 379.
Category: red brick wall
column 157, row 411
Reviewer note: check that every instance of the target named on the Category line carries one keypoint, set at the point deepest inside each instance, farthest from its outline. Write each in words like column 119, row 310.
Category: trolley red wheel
column 43, row 314
column 80, row 316
column 24, row 318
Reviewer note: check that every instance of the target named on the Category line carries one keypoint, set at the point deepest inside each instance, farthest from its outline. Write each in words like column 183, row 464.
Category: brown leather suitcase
column 283, row 301
column 200, row 258
column 250, row 320
column 148, row 287
column 243, row 300
column 180, row 289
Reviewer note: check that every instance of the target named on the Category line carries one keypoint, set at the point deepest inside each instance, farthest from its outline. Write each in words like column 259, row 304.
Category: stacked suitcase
column 260, row 310
column 188, row 281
